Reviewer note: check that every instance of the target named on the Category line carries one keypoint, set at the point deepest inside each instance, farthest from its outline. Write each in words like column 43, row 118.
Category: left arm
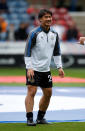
column 57, row 57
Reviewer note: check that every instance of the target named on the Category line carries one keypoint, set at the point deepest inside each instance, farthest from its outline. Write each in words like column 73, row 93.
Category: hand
column 82, row 39
column 30, row 73
column 61, row 72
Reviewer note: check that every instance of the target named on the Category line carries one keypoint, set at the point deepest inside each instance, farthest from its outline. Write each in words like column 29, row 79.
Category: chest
column 45, row 40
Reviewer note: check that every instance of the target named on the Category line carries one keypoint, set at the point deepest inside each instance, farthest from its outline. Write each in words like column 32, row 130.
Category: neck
column 45, row 27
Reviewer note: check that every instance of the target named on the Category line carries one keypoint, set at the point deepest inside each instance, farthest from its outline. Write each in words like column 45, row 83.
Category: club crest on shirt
column 52, row 37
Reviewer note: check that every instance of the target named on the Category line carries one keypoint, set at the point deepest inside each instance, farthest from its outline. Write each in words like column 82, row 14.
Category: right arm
column 28, row 50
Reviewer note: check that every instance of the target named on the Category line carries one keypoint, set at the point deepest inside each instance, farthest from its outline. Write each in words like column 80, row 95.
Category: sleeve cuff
column 58, row 61
column 28, row 62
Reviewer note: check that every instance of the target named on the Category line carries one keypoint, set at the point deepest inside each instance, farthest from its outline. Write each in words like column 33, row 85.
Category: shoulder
column 35, row 31
column 53, row 31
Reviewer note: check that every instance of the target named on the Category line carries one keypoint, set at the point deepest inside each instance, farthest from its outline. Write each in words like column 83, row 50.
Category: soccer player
column 42, row 44
column 82, row 40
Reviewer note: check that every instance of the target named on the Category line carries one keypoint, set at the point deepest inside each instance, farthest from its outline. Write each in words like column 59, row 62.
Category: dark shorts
column 42, row 79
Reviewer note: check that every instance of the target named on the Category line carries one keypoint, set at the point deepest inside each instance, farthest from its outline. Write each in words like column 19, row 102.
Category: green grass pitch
column 69, row 72
column 64, row 126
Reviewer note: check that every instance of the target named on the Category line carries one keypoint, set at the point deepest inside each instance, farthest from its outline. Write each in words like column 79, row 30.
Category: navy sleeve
column 31, row 41
column 57, row 51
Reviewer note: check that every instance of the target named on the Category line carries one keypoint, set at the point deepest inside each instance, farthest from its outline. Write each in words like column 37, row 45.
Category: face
column 46, row 20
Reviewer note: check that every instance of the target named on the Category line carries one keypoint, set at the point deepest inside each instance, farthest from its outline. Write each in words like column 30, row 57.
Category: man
column 42, row 43
column 20, row 33
column 82, row 40
column 3, row 29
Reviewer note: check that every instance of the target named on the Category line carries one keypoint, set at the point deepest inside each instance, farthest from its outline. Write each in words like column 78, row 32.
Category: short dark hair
column 43, row 12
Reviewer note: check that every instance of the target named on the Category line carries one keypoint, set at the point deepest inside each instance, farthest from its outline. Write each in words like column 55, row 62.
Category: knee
column 32, row 92
column 48, row 94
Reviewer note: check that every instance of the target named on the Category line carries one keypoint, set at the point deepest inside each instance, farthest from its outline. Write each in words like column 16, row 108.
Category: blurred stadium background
column 19, row 17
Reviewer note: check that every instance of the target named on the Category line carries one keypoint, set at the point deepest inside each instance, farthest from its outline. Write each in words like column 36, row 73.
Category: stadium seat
column 21, row 10
column 14, row 16
column 24, row 16
column 62, row 11
column 12, row 4
column 5, row 16
column 23, row 4
column 53, row 10
column 13, row 10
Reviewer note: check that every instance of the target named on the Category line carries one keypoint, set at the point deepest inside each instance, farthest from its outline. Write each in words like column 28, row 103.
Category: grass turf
column 69, row 72
column 54, row 84
column 64, row 126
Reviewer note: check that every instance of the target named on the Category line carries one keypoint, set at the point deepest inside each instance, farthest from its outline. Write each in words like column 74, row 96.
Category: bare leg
column 43, row 105
column 44, row 102
column 29, row 100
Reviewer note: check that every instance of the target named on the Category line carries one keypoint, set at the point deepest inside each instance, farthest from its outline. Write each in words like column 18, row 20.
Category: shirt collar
column 45, row 29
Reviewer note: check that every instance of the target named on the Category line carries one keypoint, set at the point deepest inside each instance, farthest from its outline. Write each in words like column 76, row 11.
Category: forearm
column 28, row 62
column 58, row 61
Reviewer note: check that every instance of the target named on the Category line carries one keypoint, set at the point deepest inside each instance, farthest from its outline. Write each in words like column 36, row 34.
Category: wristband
column 84, row 42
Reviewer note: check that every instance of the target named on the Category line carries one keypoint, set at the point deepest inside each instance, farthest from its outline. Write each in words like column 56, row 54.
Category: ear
column 40, row 19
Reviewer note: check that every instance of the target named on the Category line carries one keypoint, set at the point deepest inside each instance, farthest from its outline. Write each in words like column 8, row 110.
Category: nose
column 48, row 18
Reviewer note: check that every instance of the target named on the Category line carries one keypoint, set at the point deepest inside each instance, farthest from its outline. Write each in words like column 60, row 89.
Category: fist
column 61, row 72
column 81, row 40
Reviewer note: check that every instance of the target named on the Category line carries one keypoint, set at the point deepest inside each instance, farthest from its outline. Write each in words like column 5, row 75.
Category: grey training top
column 41, row 46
